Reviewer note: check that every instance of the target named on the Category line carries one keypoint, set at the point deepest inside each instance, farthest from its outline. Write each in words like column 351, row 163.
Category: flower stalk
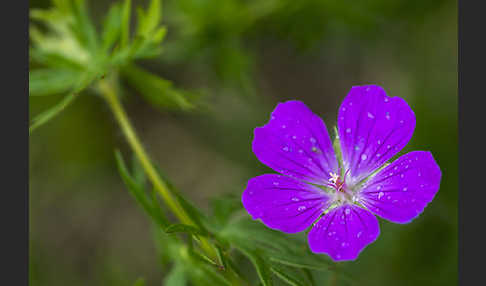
column 108, row 92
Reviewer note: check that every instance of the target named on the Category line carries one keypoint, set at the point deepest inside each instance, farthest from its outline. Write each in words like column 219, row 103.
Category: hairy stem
column 109, row 94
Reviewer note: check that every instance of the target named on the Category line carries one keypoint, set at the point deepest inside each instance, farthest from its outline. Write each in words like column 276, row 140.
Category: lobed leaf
column 156, row 90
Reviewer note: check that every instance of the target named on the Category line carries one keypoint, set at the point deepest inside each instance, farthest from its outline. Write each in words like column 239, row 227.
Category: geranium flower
column 338, row 187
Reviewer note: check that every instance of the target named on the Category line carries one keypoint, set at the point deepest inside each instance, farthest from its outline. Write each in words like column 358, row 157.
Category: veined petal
column 402, row 190
column 372, row 128
column 295, row 142
column 283, row 203
column 344, row 232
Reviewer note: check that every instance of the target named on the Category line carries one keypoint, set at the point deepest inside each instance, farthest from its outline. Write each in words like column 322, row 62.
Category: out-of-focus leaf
column 112, row 26
column 262, row 267
column 176, row 276
column 289, row 275
column 173, row 228
column 149, row 205
column 125, row 23
column 149, row 21
column 139, row 282
column 52, row 81
column 50, row 113
column 157, row 91
column 224, row 206
column 83, row 26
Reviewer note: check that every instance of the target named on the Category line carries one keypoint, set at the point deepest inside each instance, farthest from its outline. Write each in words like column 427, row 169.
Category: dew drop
column 344, row 244
column 301, row 208
column 276, row 183
column 363, row 157
column 387, row 115
column 370, row 115
column 295, row 199
column 294, row 137
column 285, row 148
column 312, row 140
column 405, row 189
column 380, row 194
column 388, row 146
column 347, row 211
column 402, row 175
column 301, row 151
column 359, row 234
column 401, row 121
column 379, row 142
column 284, row 126
column 386, row 99
column 378, row 188
column 388, row 197
column 348, row 130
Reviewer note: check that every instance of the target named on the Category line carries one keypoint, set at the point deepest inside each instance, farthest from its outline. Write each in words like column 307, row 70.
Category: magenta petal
column 295, row 142
column 372, row 128
column 283, row 203
column 344, row 232
column 402, row 190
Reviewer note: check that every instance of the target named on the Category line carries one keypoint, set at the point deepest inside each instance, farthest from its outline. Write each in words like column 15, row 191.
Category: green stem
column 108, row 92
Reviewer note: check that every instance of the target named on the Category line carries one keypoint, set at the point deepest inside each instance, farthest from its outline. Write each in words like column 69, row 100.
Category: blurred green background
column 245, row 57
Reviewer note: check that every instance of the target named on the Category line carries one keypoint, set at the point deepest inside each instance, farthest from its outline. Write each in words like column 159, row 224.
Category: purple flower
column 338, row 187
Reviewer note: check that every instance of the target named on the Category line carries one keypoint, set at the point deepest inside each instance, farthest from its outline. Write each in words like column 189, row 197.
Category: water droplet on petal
column 370, row 115
column 285, row 148
column 380, row 194
column 295, row 199
column 405, row 189
column 284, row 126
column 359, row 234
column 348, row 130
column 301, row 208
column 363, row 157
column 276, row 183
column 347, row 211
column 294, row 137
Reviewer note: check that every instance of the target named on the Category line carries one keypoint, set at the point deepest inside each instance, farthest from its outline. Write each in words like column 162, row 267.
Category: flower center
column 342, row 192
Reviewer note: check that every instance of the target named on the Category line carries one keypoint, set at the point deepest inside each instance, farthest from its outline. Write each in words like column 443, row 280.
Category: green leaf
column 50, row 113
column 51, row 81
column 173, row 228
column 192, row 211
column 261, row 266
column 176, row 276
column 289, row 275
column 291, row 250
column 125, row 23
column 156, row 90
column 112, row 26
column 149, row 205
column 83, row 26
column 147, row 23
column 224, row 206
